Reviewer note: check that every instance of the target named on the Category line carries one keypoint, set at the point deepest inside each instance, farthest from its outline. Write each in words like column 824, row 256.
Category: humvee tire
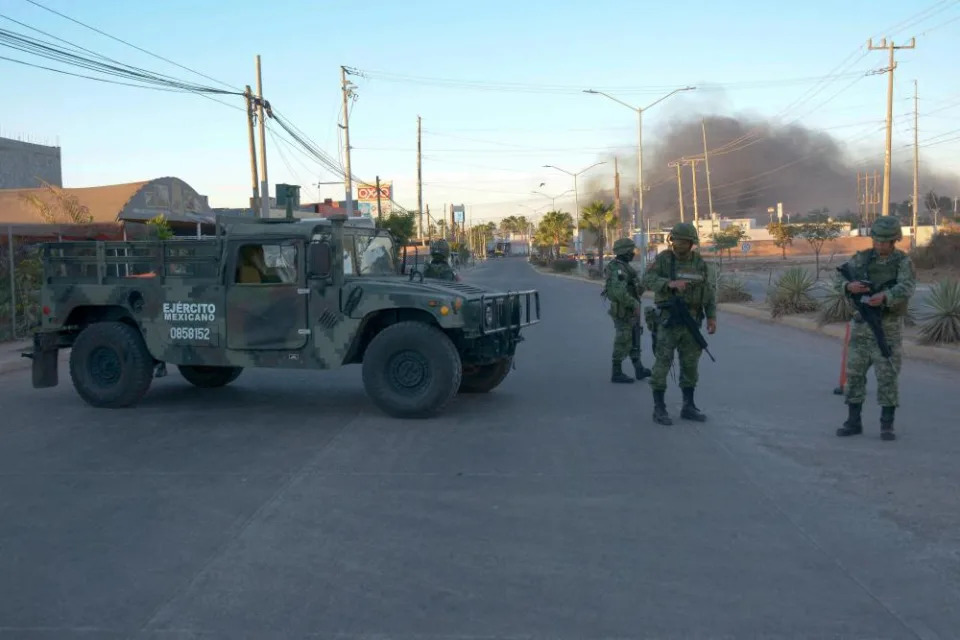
column 485, row 378
column 208, row 377
column 411, row 370
column 110, row 365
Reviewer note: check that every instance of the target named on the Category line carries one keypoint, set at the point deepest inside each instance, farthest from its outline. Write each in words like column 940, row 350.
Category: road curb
column 938, row 355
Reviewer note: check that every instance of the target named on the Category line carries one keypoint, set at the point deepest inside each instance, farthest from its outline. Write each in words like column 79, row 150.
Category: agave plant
column 732, row 289
column 792, row 293
column 836, row 306
column 939, row 316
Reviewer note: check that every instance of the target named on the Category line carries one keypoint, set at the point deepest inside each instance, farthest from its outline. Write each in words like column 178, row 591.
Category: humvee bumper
column 46, row 348
column 509, row 312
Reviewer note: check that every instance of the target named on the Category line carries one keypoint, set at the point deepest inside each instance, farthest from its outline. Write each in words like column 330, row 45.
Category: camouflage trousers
column 670, row 339
column 863, row 352
column 623, row 340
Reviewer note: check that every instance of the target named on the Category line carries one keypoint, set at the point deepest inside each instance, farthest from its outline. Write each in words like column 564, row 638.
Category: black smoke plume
column 754, row 164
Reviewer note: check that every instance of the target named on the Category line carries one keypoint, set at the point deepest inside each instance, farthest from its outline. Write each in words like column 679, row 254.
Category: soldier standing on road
column 623, row 290
column 439, row 266
column 882, row 265
column 680, row 271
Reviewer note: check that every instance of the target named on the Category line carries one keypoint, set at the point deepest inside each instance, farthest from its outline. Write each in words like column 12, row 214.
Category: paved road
column 287, row 506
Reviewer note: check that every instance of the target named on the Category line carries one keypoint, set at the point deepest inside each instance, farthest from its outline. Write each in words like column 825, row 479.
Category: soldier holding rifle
column 879, row 282
column 685, row 294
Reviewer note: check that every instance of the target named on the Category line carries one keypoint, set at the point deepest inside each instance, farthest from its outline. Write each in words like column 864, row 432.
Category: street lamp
column 576, row 194
column 638, row 217
column 553, row 199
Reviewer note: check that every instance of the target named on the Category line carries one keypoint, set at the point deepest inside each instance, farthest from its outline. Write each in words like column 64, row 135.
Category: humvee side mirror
column 319, row 259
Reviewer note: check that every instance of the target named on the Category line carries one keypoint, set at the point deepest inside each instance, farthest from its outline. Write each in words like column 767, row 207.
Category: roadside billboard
column 367, row 198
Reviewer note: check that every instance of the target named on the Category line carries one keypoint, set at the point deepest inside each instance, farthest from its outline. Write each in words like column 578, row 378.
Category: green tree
column 161, row 227
column 783, row 235
column 402, row 226
column 727, row 240
column 556, row 228
column 817, row 233
column 599, row 217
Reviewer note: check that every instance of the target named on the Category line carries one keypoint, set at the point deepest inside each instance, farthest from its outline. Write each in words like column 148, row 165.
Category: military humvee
column 283, row 293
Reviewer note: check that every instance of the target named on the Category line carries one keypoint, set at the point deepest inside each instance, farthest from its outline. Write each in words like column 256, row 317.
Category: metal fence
column 19, row 285
column 21, row 269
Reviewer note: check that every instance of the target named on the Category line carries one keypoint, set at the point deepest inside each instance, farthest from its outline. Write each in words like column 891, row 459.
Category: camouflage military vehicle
column 282, row 293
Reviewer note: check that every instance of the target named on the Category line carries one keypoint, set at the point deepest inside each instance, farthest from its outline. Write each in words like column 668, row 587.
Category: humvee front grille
column 511, row 310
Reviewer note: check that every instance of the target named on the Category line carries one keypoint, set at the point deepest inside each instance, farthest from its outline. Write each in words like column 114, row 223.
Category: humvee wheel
column 207, row 377
column 110, row 365
column 485, row 378
column 411, row 370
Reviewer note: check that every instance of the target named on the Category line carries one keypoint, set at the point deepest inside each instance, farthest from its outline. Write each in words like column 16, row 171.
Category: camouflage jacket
column 700, row 292
column 867, row 265
column 623, row 289
column 439, row 271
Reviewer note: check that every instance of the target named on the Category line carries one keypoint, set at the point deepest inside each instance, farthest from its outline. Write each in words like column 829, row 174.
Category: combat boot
column 618, row 375
column 886, row 423
column 640, row 371
column 660, row 415
column 690, row 411
column 854, row 425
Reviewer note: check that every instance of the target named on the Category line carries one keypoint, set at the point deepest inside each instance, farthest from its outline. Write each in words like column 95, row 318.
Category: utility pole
column 696, row 212
column 679, row 186
column 706, row 163
column 916, row 163
column 264, row 184
column 887, row 153
column 255, row 202
column 348, row 178
column 616, row 196
column 419, row 183
column 863, row 182
column 379, row 210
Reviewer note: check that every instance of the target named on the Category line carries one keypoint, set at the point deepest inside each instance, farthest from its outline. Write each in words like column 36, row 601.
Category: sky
column 498, row 85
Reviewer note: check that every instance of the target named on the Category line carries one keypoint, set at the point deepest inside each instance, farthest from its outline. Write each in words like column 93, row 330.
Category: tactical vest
column 693, row 294
column 870, row 266
column 632, row 285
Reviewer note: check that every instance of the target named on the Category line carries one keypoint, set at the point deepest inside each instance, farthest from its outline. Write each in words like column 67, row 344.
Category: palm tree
column 523, row 228
column 599, row 217
column 556, row 227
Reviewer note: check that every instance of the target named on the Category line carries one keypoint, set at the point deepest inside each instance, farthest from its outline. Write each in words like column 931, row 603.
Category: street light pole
column 576, row 194
column 552, row 199
column 638, row 217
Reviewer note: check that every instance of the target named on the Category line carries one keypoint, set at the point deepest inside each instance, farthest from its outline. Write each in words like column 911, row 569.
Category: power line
column 52, row 51
column 120, row 40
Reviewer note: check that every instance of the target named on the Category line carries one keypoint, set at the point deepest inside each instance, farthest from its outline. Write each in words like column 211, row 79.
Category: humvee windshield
column 375, row 256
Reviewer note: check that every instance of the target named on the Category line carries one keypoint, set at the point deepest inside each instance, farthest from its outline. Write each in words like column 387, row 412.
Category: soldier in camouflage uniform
column 683, row 272
column 623, row 290
column 439, row 265
column 890, row 268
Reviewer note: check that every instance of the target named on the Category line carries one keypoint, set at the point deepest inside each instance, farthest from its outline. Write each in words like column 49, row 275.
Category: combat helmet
column 886, row 229
column 440, row 247
column 623, row 245
column 684, row 231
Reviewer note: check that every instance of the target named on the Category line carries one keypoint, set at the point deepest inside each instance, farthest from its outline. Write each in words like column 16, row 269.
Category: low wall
column 800, row 247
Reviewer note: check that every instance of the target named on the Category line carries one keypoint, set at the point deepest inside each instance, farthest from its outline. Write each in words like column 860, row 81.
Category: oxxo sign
column 369, row 192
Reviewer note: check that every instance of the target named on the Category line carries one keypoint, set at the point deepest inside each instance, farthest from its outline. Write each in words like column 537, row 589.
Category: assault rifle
column 873, row 316
column 680, row 313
